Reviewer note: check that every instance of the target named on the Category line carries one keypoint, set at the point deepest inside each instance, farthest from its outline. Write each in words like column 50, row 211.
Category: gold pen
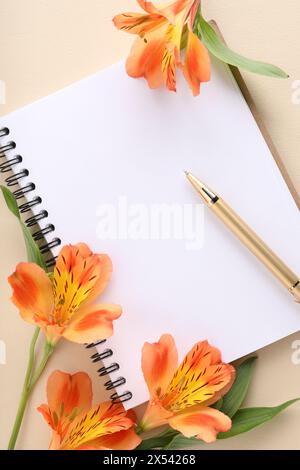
column 247, row 236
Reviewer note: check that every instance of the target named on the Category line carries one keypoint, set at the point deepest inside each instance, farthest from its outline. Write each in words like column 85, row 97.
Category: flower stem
column 25, row 394
column 48, row 350
column 29, row 383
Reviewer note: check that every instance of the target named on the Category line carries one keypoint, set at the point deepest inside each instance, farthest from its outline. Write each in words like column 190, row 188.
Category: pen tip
column 186, row 173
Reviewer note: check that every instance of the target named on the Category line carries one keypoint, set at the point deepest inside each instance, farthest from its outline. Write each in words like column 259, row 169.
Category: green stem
column 25, row 394
column 29, row 383
column 48, row 350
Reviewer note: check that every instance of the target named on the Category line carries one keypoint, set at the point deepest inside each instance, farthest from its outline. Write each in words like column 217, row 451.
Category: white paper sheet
column 110, row 140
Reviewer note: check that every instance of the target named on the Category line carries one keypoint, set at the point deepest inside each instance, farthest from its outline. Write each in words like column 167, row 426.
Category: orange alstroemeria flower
column 61, row 303
column 181, row 396
column 157, row 51
column 77, row 425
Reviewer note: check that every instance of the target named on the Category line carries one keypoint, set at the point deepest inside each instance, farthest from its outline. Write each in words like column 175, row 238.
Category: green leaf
column 158, row 442
column 233, row 400
column 248, row 418
column 243, row 421
column 217, row 47
column 168, row 440
column 218, row 404
column 180, row 442
column 10, row 201
column 32, row 249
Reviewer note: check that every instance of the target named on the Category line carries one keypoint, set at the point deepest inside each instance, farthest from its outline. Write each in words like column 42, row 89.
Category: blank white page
column 108, row 139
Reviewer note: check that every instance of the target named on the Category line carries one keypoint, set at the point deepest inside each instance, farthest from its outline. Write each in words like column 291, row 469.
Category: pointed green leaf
column 233, row 400
column 248, row 418
column 32, row 249
column 10, row 201
column 217, row 47
column 243, row 421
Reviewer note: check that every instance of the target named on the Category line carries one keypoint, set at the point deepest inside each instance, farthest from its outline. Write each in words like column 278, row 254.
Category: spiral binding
column 113, row 367
column 15, row 179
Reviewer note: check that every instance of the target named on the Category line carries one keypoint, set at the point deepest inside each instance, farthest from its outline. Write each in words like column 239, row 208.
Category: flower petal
column 103, row 419
column 55, row 441
column 32, row 292
column 136, row 23
column 122, row 440
column 46, row 413
column 196, row 68
column 73, row 390
column 83, row 250
column 159, row 362
column 79, row 277
column 171, row 57
column 170, row 11
column 153, row 69
column 204, row 424
column 175, row 8
column 201, row 378
column 147, row 51
column 148, row 7
column 103, row 278
column 169, row 68
column 67, row 395
column 92, row 322
column 155, row 415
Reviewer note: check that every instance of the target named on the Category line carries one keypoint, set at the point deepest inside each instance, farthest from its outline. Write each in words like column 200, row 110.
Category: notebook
column 107, row 158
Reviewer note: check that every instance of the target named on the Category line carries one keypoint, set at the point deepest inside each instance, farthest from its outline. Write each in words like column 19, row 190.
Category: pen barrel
column 258, row 247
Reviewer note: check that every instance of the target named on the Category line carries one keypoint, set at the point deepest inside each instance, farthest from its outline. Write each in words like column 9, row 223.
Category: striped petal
column 169, row 68
column 200, row 379
column 136, row 23
column 79, row 276
column 122, row 440
column 103, row 419
column 159, row 362
column 92, row 322
column 204, row 424
column 171, row 56
column 196, row 67
column 67, row 396
column 32, row 292
column 104, row 277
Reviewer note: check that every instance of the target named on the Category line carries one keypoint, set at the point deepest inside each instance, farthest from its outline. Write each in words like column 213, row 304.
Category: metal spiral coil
column 15, row 179
column 113, row 367
column 21, row 191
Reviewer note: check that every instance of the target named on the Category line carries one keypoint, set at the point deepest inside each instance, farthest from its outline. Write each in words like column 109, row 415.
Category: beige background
column 47, row 44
